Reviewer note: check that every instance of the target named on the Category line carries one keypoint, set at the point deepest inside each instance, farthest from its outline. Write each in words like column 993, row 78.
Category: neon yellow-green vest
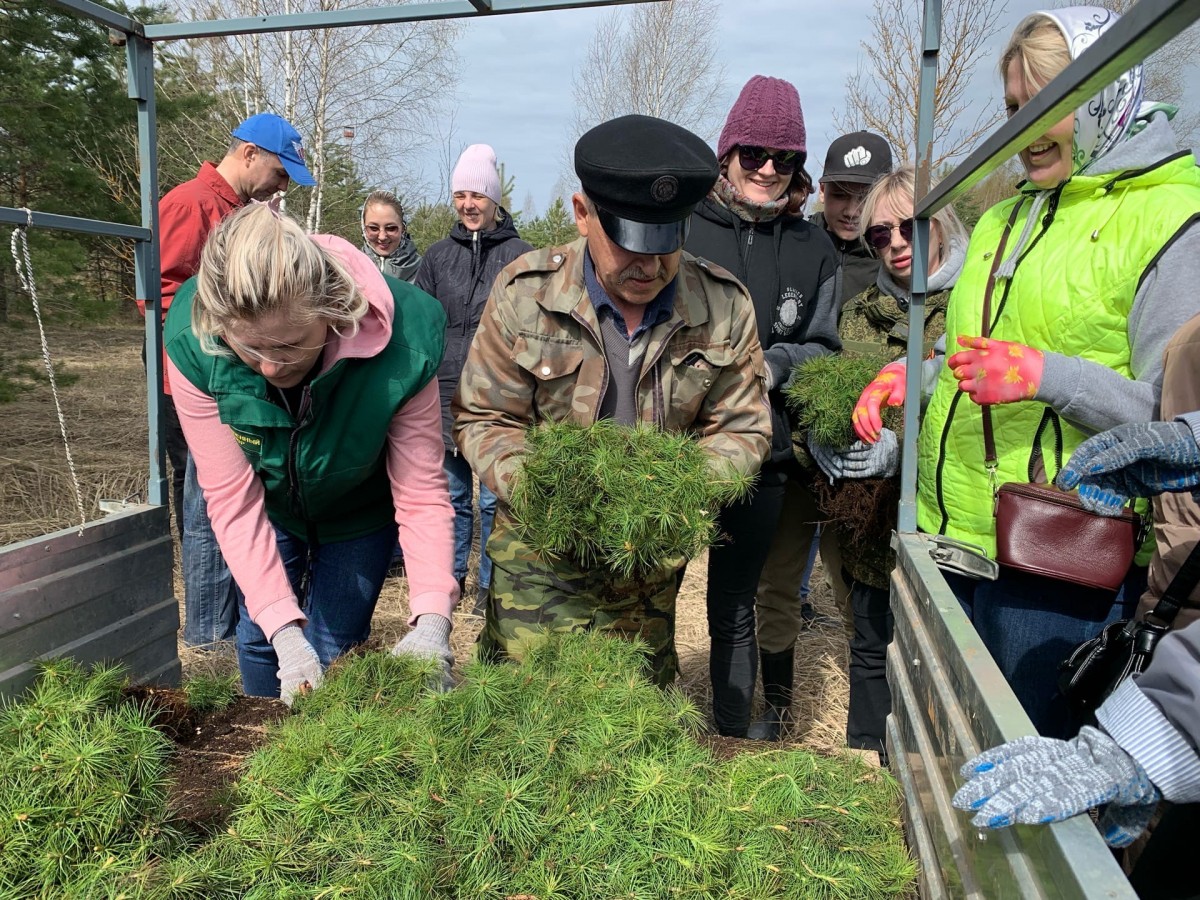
column 1071, row 293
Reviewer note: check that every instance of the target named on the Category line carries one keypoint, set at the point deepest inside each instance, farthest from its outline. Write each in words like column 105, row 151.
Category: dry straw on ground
column 106, row 421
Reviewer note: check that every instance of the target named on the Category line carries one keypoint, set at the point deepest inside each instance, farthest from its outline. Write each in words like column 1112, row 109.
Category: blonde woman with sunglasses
column 876, row 323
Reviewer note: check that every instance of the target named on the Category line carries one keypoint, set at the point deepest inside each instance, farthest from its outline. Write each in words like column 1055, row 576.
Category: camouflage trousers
column 533, row 595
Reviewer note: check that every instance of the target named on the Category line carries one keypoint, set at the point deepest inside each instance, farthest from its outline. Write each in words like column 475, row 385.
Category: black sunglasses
column 879, row 236
column 754, row 158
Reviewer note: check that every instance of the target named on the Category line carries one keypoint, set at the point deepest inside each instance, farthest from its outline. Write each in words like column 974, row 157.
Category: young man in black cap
column 854, row 162
column 620, row 324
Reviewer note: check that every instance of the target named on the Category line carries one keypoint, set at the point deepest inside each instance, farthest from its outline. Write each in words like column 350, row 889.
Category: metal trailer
column 949, row 700
column 104, row 590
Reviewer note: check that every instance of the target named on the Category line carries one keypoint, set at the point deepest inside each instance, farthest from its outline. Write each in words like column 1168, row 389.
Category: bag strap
column 1179, row 589
column 989, row 439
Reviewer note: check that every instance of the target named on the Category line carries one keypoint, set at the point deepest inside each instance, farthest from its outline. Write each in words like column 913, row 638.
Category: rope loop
column 24, row 266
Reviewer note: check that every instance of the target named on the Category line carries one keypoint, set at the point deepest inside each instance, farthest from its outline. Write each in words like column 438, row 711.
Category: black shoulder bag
column 1096, row 667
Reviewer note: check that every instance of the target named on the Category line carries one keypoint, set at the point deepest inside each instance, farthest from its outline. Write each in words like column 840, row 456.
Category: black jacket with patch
column 789, row 267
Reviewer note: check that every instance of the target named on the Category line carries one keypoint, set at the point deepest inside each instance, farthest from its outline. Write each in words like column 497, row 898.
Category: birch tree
column 656, row 59
column 881, row 96
column 386, row 82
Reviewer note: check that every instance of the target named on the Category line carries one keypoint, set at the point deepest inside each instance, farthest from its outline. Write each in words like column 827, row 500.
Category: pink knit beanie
column 766, row 114
column 476, row 171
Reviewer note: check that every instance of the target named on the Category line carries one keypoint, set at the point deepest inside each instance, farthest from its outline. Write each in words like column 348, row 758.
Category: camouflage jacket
column 538, row 355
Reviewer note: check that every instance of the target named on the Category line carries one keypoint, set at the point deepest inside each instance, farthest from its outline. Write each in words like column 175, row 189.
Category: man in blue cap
column 621, row 324
column 266, row 153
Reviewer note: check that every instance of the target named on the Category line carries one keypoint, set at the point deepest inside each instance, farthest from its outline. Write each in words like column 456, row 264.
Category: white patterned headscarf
column 1108, row 117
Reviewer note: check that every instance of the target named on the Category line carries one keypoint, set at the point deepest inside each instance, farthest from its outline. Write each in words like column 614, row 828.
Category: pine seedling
column 209, row 693
column 823, row 392
column 633, row 500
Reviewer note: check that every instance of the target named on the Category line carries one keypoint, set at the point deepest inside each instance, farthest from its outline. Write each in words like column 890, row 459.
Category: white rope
column 20, row 253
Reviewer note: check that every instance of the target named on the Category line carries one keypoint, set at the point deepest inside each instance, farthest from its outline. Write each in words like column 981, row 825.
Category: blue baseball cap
column 276, row 135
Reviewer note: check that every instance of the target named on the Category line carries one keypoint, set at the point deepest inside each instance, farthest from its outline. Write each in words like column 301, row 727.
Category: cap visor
column 298, row 172
column 639, row 237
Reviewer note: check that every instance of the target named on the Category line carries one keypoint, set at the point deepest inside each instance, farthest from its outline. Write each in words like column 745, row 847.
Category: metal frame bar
column 383, row 15
column 12, row 216
column 1149, row 25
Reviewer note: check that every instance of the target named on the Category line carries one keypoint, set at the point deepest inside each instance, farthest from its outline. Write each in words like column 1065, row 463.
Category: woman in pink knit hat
column 752, row 224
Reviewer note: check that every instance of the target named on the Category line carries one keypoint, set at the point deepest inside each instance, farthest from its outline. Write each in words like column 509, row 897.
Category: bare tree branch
column 881, row 95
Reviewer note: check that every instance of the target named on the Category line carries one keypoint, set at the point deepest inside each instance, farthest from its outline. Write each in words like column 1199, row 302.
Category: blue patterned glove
column 860, row 459
column 1037, row 780
column 1138, row 459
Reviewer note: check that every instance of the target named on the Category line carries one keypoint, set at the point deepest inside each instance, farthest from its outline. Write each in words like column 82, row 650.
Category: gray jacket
column 1155, row 717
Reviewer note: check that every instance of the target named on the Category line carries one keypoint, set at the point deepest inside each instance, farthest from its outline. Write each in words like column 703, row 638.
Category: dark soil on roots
column 210, row 749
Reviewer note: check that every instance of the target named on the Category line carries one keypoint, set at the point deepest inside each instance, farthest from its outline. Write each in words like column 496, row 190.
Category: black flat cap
column 645, row 176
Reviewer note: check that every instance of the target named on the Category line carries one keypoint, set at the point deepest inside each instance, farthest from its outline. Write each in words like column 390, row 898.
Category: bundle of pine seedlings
column 84, row 775
column 569, row 777
column 822, row 395
column 628, row 499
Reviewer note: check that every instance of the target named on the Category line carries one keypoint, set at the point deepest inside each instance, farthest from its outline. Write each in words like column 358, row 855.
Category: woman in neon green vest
column 1096, row 272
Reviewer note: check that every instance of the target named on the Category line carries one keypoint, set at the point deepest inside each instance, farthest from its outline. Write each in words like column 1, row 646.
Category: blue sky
column 515, row 84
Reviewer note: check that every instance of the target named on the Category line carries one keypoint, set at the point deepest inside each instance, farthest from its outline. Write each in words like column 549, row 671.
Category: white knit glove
column 430, row 639
column 298, row 662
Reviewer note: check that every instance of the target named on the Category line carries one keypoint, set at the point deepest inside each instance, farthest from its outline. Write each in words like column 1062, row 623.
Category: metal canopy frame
column 139, row 40
column 1149, row 25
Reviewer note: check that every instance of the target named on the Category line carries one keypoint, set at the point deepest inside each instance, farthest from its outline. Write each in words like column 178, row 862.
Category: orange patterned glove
column 992, row 371
column 888, row 387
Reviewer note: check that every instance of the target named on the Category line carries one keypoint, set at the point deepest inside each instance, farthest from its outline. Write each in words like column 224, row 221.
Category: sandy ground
column 104, row 405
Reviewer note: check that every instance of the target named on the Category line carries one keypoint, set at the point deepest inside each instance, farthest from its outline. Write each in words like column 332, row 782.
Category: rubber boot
column 732, row 670
column 777, row 677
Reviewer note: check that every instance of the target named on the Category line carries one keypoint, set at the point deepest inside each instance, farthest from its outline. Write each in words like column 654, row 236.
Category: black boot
column 777, row 676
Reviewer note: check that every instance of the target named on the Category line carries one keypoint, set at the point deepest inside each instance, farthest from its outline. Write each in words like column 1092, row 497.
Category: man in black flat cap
column 620, row 324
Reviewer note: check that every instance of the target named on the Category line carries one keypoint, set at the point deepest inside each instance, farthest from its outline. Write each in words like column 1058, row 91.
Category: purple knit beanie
column 476, row 171
column 766, row 114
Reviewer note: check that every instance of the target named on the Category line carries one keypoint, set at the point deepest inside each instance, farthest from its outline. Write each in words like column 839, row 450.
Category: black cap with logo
column 859, row 157
column 645, row 176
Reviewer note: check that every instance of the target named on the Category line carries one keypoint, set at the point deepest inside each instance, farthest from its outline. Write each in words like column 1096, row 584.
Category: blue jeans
column 462, row 496
column 338, row 585
column 210, row 605
column 1030, row 624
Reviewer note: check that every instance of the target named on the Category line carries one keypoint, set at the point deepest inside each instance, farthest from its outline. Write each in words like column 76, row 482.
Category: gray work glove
column 860, row 459
column 1036, row 780
column 430, row 639
column 298, row 662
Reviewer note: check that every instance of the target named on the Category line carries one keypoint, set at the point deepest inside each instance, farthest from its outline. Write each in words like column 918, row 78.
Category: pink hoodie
column 414, row 463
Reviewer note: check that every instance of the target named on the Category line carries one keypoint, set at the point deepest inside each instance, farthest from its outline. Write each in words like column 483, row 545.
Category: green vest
column 325, row 477
column 1071, row 293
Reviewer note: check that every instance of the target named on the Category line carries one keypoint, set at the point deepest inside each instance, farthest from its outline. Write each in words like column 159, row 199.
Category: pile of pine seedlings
column 84, row 775
column 627, row 499
column 822, row 394
column 569, row 777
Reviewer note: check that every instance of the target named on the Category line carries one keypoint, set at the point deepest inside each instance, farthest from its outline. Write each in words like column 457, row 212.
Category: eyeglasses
column 387, row 229
column 754, row 158
column 281, row 356
column 879, row 236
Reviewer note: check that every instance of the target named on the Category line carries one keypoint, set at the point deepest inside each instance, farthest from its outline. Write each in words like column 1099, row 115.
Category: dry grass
column 106, row 420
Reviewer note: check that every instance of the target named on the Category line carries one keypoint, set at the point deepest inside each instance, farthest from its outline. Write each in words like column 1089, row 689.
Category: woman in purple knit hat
column 752, row 224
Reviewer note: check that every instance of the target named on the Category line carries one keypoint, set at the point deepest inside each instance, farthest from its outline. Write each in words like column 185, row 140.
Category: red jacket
column 186, row 215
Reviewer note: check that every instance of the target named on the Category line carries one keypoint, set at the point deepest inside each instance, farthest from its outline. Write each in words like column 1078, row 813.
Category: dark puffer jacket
column 789, row 268
column 459, row 270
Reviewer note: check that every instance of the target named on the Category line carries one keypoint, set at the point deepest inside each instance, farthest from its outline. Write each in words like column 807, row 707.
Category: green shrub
column 569, row 776
column 627, row 499
column 85, row 786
